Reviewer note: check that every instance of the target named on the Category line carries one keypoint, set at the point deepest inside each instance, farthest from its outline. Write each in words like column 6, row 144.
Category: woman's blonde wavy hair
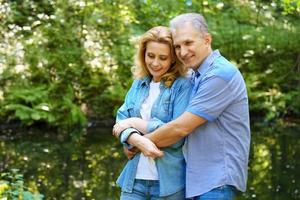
column 159, row 34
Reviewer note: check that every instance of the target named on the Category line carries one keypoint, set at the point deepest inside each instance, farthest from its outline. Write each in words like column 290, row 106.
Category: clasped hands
column 142, row 143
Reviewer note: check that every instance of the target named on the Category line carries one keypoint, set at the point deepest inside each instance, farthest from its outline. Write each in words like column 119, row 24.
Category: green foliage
column 26, row 105
column 290, row 7
column 12, row 187
column 65, row 62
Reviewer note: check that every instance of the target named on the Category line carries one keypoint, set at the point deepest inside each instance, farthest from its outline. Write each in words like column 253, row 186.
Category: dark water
column 88, row 169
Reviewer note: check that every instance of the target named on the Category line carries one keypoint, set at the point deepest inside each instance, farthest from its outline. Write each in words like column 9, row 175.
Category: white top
column 146, row 168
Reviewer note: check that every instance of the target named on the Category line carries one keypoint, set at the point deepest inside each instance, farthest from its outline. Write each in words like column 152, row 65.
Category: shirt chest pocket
column 163, row 109
column 131, row 110
column 167, row 106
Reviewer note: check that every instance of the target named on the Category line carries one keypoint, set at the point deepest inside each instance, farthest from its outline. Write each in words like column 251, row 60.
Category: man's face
column 191, row 46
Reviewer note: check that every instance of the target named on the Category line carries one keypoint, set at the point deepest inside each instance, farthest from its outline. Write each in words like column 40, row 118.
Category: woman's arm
column 139, row 141
column 124, row 113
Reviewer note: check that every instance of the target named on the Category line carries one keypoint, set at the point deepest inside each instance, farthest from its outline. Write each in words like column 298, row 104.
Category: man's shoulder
column 223, row 69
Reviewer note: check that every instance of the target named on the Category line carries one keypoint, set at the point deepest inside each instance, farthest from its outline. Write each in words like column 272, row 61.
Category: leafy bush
column 12, row 187
column 64, row 62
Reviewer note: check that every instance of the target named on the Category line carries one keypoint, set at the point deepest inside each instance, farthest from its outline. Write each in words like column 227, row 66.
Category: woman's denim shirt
column 170, row 103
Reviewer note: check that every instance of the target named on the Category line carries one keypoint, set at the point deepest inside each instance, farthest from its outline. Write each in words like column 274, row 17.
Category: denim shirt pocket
column 162, row 110
column 167, row 106
column 131, row 110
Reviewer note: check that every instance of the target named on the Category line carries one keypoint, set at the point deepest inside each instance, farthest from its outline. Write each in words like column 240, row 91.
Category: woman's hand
column 121, row 126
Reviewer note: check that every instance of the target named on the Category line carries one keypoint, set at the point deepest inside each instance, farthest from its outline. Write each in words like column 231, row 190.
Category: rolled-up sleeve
column 153, row 124
column 125, row 135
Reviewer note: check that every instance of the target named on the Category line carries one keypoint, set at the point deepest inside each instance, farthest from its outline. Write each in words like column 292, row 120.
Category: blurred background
column 65, row 67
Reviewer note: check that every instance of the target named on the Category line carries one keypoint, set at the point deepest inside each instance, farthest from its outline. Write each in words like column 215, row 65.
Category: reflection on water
column 274, row 163
column 88, row 169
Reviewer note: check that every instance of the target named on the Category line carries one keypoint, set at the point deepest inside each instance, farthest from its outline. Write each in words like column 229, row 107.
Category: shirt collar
column 146, row 80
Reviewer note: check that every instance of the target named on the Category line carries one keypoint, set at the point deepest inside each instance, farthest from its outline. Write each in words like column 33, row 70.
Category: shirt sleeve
column 123, row 113
column 211, row 98
column 125, row 134
column 153, row 124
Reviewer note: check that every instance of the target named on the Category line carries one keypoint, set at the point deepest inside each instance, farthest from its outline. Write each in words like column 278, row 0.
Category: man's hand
column 130, row 153
column 146, row 146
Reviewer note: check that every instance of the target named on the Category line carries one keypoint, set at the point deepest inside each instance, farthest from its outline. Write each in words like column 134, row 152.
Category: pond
column 88, row 169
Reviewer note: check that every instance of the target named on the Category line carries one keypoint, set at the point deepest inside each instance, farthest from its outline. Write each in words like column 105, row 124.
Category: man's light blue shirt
column 217, row 151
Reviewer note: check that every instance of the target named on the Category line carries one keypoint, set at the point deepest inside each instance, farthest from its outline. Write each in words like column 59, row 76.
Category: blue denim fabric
column 149, row 190
column 225, row 192
column 170, row 103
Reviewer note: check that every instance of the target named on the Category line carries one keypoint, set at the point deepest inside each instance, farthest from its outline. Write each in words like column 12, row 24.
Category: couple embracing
column 188, row 137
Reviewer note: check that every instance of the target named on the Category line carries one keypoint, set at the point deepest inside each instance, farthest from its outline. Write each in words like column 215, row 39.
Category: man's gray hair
column 197, row 21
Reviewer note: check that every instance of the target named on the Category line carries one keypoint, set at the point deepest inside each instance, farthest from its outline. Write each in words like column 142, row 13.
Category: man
column 216, row 121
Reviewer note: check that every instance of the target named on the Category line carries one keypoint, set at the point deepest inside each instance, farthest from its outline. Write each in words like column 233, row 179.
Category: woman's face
column 158, row 59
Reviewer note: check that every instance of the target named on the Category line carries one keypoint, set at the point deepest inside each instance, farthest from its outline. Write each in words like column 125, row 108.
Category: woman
column 159, row 94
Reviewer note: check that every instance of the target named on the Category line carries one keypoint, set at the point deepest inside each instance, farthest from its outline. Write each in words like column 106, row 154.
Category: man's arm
column 212, row 97
column 175, row 130
column 166, row 135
